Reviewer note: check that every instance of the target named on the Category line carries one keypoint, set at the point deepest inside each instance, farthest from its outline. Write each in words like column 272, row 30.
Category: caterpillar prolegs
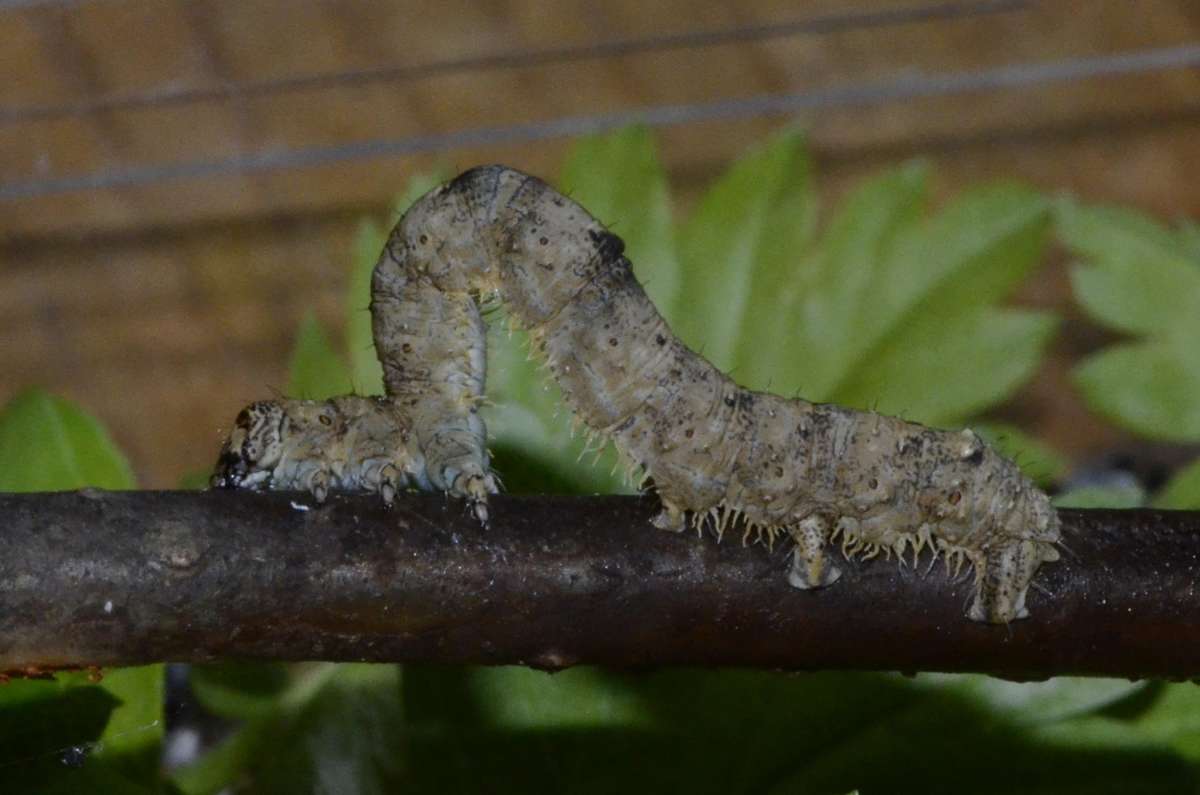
column 821, row 474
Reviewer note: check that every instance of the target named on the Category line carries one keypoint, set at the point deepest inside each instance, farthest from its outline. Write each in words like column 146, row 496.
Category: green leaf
column 1182, row 492
column 1151, row 387
column 1117, row 495
column 49, row 444
column 823, row 310
column 1003, row 348
column 1174, row 718
column 927, row 342
column 316, row 371
column 336, row 728
column 132, row 740
column 43, row 722
column 67, row 735
column 1141, row 278
column 1137, row 269
column 1040, row 462
column 1134, row 297
column 738, row 731
column 223, row 765
column 1189, row 238
column 346, row 738
column 738, row 250
column 1037, row 703
column 239, row 690
column 514, row 697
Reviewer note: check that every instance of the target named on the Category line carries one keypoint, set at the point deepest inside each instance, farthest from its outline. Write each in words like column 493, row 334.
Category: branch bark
column 120, row 578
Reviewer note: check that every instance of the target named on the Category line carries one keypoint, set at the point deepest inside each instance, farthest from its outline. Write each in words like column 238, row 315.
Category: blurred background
column 181, row 181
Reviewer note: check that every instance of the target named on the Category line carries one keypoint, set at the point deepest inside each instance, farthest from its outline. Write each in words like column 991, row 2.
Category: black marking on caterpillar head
column 258, row 428
column 609, row 247
column 231, row 469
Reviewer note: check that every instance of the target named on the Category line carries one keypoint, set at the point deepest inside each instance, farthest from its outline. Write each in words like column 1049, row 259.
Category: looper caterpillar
column 721, row 453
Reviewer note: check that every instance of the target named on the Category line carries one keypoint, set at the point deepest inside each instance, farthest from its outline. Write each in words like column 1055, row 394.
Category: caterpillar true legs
column 723, row 454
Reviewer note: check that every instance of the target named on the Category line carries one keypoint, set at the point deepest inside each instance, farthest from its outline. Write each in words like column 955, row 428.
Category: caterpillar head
column 276, row 442
column 253, row 447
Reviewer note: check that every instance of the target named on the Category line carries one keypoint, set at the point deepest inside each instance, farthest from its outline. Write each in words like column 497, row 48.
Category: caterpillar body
column 715, row 452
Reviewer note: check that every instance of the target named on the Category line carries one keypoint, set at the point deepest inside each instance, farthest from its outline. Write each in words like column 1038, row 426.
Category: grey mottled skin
column 724, row 454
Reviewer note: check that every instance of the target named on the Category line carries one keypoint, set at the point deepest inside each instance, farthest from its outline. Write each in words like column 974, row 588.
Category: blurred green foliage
column 883, row 305
column 1141, row 279
column 113, row 729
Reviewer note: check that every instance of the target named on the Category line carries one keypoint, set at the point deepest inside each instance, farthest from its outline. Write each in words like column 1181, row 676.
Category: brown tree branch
column 120, row 578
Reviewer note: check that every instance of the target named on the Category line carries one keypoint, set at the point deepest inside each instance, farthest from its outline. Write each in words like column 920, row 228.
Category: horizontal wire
column 12, row 5
column 912, row 85
column 852, row 20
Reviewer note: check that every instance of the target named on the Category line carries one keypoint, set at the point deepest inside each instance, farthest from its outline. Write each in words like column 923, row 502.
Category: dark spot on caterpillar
column 424, row 239
column 975, row 457
column 690, row 432
column 546, row 266
column 544, row 240
column 608, row 246
column 325, row 420
column 624, row 426
column 955, row 497
column 730, row 401
column 660, row 339
column 406, row 348
column 243, row 419
column 612, row 341
column 873, row 484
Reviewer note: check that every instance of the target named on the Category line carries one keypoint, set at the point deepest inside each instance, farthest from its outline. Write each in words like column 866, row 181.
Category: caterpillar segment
column 823, row 476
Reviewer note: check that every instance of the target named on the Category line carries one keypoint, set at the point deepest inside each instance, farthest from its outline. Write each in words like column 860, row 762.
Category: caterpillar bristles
column 711, row 517
column 772, row 532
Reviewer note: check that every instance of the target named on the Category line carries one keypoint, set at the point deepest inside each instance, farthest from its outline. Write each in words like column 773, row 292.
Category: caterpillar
column 717, row 454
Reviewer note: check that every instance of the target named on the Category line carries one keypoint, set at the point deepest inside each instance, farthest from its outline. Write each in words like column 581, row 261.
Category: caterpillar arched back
column 714, row 451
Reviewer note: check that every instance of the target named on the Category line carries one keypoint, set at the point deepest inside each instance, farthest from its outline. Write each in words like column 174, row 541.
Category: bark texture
column 119, row 578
